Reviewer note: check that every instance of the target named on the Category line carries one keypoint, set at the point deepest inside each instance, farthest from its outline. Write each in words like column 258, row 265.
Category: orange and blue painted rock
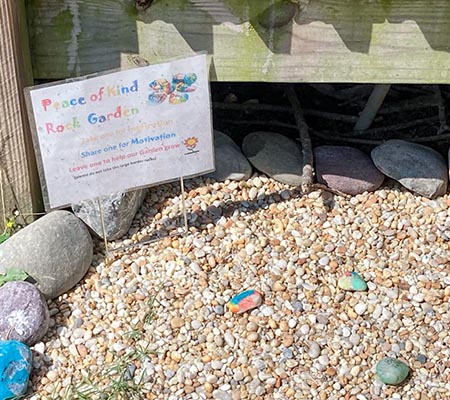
column 352, row 281
column 162, row 85
column 188, row 79
column 156, row 98
column 245, row 301
column 178, row 98
column 182, row 87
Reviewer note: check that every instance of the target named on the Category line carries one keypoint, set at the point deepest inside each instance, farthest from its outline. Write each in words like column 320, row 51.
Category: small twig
column 356, row 90
column 355, row 101
column 259, row 122
column 422, row 139
column 332, row 137
column 416, row 89
column 410, row 104
column 268, row 107
column 327, row 90
column 434, row 138
column 391, row 128
column 374, row 103
column 307, row 174
column 321, row 186
column 251, row 107
column 443, row 127
column 351, row 119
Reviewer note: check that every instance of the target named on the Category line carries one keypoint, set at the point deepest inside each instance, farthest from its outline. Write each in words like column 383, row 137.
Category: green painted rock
column 392, row 371
column 352, row 281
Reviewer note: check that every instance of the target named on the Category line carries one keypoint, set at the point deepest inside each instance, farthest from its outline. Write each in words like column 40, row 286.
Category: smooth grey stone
column 119, row 210
column 346, row 169
column 230, row 162
column 24, row 314
column 56, row 251
column 418, row 168
column 276, row 155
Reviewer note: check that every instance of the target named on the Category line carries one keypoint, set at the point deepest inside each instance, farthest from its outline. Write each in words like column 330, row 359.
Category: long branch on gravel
column 307, row 173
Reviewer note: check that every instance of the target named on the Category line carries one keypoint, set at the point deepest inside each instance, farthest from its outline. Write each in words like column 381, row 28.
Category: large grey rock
column 418, row 168
column 56, row 251
column 346, row 169
column 24, row 314
column 119, row 210
column 276, row 155
column 230, row 162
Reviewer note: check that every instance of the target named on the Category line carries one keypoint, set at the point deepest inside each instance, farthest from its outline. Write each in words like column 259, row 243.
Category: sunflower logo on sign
column 191, row 143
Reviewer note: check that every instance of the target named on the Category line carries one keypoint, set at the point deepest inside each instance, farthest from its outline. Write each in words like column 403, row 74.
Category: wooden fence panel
column 374, row 41
column 18, row 171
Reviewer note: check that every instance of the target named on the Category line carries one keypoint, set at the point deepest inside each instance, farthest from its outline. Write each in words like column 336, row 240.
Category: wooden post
column 20, row 183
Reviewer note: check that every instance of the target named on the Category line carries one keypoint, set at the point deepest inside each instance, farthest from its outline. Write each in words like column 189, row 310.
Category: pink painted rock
column 245, row 301
column 24, row 314
column 346, row 169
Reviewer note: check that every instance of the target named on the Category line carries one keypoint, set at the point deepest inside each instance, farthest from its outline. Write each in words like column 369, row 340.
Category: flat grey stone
column 230, row 162
column 119, row 210
column 24, row 314
column 56, row 251
column 418, row 168
column 346, row 169
column 276, row 155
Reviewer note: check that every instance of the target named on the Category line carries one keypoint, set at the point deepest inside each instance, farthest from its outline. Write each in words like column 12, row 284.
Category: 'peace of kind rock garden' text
column 92, row 118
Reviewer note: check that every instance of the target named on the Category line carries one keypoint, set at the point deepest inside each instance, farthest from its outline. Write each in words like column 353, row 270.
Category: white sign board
column 122, row 130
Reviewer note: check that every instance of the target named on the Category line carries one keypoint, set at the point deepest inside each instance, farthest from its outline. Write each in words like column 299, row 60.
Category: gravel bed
column 308, row 340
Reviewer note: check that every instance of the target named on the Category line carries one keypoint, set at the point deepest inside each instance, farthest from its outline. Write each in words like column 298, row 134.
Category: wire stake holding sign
column 184, row 232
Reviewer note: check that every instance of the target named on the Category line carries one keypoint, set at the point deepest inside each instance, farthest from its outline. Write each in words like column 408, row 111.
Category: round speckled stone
column 392, row 371
column 24, row 314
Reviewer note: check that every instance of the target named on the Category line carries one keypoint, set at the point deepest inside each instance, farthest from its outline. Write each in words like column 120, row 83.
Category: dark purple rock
column 24, row 314
column 346, row 169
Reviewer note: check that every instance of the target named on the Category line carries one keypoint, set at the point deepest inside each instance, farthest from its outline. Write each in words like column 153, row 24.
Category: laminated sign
column 122, row 130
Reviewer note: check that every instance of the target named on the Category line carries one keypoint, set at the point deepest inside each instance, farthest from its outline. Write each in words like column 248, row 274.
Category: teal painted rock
column 392, row 371
column 352, row 281
column 15, row 367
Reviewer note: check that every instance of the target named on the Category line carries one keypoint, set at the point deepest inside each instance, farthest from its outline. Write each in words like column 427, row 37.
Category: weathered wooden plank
column 18, row 173
column 327, row 41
